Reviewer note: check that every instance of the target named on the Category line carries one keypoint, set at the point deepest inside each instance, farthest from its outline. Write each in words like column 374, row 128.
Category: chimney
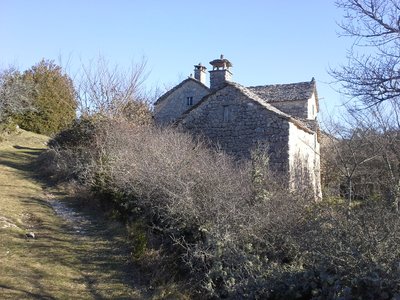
column 220, row 73
column 200, row 73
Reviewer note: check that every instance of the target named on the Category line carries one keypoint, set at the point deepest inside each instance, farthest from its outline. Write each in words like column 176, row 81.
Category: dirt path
column 73, row 255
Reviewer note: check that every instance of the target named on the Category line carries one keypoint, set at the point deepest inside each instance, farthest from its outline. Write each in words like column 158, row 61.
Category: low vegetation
column 197, row 224
column 219, row 228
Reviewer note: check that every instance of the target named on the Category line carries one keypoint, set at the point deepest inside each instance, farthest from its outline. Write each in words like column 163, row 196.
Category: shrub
column 210, row 205
column 15, row 94
column 357, row 252
column 230, row 229
column 75, row 153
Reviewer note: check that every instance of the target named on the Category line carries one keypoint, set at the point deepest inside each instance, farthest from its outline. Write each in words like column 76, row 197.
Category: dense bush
column 53, row 99
column 357, row 252
column 74, row 153
column 16, row 95
column 232, row 226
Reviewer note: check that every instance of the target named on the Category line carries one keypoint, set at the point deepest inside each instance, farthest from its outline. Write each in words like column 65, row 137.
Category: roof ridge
column 253, row 97
column 285, row 92
column 170, row 91
column 283, row 84
column 272, row 108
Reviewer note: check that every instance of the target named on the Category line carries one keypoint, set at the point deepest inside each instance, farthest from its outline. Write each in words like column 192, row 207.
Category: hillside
column 72, row 255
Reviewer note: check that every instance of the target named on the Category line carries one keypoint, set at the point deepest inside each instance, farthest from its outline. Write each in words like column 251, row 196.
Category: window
column 227, row 114
column 189, row 100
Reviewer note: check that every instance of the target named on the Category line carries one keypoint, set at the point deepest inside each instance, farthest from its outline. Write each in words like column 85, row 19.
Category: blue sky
column 267, row 41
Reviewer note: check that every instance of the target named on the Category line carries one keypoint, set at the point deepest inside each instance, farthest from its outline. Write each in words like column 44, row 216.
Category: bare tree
column 382, row 123
column 108, row 90
column 15, row 93
column 347, row 154
column 372, row 74
column 365, row 150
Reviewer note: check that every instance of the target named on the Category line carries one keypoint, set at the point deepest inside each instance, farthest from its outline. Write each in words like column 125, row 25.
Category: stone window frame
column 189, row 101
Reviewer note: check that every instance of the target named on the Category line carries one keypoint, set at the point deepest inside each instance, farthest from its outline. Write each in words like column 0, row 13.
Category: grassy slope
column 59, row 263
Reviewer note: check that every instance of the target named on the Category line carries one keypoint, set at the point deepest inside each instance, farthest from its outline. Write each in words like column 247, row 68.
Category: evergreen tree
column 53, row 99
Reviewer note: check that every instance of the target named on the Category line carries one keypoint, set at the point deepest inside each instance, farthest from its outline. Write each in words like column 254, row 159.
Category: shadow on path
column 85, row 242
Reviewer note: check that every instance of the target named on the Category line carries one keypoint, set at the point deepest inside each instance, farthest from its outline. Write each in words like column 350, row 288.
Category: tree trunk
column 350, row 194
column 396, row 196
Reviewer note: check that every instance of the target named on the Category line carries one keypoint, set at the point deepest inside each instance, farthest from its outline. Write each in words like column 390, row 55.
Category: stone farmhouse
column 281, row 117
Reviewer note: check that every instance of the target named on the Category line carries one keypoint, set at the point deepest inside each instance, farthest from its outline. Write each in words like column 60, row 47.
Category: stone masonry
column 238, row 124
column 281, row 117
column 174, row 103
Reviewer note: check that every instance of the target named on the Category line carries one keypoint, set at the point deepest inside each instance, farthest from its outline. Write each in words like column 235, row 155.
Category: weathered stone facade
column 304, row 159
column 238, row 123
column 298, row 100
column 238, row 119
column 175, row 102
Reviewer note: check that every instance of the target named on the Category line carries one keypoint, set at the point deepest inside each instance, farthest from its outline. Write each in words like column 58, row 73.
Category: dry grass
column 59, row 263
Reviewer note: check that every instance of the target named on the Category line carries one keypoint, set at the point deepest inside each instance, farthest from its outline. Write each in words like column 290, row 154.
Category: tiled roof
column 285, row 92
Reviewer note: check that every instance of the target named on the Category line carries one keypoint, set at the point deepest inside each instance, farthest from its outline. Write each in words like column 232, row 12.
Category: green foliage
column 81, row 132
column 7, row 126
column 138, row 238
column 53, row 99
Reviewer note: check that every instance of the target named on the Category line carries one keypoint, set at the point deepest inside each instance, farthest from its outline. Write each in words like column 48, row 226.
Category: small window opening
column 189, row 100
column 227, row 115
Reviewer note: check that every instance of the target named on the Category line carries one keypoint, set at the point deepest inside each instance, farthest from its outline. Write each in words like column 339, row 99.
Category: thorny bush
column 235, row 226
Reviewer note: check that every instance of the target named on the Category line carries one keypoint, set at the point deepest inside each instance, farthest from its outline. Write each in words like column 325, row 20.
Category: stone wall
column 218, row 78
column 175, row 103
column 304, row 109
column 238, row 124
column 312, row 108
column 298, row 109
column 304, row 160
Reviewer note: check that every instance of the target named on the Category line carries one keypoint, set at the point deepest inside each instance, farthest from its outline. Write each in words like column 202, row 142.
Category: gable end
column 165, row 95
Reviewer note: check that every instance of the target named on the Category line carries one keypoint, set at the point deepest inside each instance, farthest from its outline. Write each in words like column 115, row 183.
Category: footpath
column 48, row 249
